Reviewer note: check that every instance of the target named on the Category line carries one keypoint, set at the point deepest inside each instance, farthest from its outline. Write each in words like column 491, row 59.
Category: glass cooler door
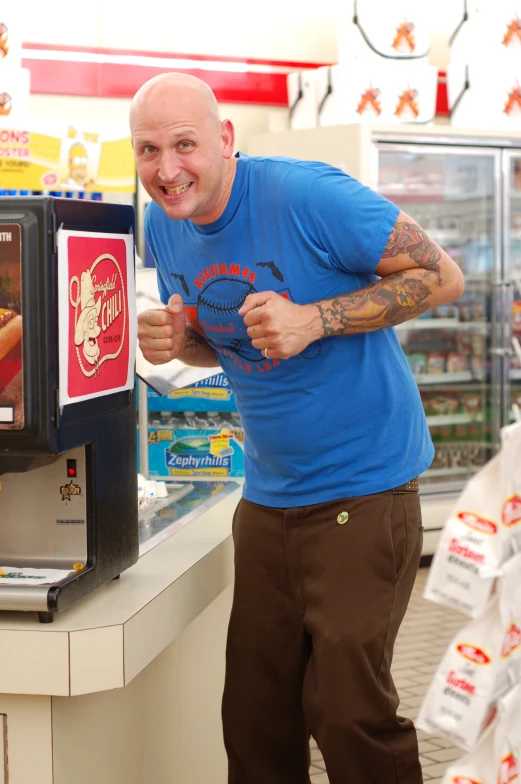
column 453, row 193
column 512, row 275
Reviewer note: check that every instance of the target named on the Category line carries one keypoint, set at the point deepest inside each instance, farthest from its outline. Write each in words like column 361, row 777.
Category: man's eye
column 148, row 149
column 186, row 145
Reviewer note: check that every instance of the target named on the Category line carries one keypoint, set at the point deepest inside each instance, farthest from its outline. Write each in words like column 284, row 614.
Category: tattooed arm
column 416, row 276
column 196, row 351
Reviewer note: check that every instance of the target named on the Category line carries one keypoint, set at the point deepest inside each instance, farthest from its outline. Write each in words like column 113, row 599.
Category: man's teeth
column 178, row 190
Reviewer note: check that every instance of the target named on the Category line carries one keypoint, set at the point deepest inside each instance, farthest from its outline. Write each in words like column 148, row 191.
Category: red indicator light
column 71, row 469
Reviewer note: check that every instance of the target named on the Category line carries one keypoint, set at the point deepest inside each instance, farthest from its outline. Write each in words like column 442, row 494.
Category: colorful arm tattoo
column 385, row 303
column 411, row 239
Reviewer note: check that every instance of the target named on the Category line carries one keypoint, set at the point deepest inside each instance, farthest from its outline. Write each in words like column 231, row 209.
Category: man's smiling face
column 180, row 147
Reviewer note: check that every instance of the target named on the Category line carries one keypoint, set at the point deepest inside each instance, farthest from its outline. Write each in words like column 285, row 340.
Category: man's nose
column 169, row 167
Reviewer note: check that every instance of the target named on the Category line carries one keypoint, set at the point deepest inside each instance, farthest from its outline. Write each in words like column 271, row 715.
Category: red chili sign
column 98, row 339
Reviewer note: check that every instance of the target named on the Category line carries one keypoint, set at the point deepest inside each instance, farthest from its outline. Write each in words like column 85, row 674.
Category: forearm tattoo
column 193, row 340
column 411, row 239
column 385, row 303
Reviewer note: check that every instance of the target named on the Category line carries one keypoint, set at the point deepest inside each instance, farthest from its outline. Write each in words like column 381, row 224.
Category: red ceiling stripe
column 120, row 80
column 289, row 64
column 114, row 80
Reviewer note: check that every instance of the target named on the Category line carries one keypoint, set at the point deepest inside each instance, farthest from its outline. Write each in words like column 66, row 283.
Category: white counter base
column 159, row 632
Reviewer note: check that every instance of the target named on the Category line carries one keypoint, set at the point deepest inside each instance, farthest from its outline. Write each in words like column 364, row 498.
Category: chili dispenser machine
column 68, row 476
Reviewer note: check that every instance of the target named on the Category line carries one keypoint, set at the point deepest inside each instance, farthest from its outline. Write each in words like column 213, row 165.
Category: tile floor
column 425, row 633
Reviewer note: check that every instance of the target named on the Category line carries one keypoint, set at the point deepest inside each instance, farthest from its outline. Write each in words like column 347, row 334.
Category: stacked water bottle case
column 195, row 432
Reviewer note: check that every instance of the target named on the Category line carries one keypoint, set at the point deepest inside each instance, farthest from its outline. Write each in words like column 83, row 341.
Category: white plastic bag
column 511, row 488
column 470, row 549
column 476, row 767
column 474, row 672
column 495, row 759
column 507, row 738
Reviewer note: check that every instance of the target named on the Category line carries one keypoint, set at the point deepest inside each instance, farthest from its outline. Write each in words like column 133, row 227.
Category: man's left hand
column 280, row 329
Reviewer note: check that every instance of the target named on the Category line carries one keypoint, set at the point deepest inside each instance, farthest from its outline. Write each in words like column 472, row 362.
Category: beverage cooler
column 465, row 198
column 464, row 189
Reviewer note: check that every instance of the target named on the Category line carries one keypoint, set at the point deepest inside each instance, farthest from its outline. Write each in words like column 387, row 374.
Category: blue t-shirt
column 344, row 418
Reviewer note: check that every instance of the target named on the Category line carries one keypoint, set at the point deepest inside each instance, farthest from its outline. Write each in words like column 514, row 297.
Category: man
column 290, row 275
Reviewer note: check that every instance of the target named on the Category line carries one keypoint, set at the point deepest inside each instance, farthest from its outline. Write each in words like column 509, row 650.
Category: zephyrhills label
column 196, row 462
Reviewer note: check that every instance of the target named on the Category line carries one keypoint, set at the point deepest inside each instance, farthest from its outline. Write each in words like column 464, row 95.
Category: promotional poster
column 97, row 314
column 11, row 382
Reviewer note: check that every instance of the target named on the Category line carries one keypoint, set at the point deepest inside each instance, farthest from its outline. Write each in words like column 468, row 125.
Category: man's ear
column 227, row 138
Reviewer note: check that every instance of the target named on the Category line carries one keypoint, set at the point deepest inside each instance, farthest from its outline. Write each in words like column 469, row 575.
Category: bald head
column 183, row 152
column 174, row 89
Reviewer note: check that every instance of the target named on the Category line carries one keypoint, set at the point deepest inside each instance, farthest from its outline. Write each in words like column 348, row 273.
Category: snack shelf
column 454, row 419
column 443, row 323
column 444, row 378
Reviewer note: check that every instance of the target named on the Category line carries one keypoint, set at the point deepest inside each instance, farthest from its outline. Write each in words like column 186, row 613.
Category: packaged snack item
column 460, row 432
column 477, row 455
column 446, row 434
column 471, row 402
column 477, row 367
column 447, row 310
column 479, row 310
column 436, row 363
column 417, row 363
column 507, row 738
column 511, row 485
column 472, row 676
column 459, row 456
column 457, row 363
column 476, row 767
column 464, row 342
column 509, row 591
column 443, row 403
column 469, row 551
column 478, row 344
column 496, row 756
column 475, row 433
column 441, row 455
column 516, row 316
column 465, row 310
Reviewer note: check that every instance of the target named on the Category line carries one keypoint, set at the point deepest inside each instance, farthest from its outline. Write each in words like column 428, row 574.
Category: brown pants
column 316, row 610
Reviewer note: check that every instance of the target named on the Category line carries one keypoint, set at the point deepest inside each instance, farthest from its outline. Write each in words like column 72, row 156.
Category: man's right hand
column 162, row 332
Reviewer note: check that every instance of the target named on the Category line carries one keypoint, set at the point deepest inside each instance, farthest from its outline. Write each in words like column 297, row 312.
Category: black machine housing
column 105, row 426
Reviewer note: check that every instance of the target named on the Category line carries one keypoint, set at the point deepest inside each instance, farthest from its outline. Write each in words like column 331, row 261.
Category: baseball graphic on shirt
column 217, row 315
